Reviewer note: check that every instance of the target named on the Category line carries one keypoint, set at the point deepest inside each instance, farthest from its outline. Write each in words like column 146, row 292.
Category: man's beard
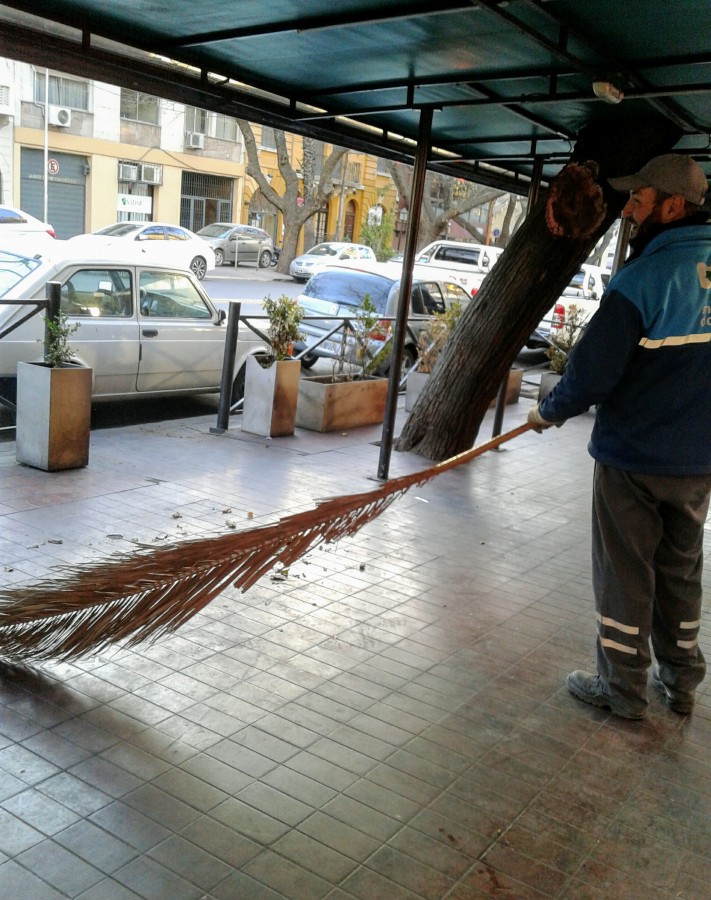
column 651, row 223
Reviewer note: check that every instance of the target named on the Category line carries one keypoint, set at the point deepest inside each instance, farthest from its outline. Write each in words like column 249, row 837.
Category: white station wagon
column 146, row 329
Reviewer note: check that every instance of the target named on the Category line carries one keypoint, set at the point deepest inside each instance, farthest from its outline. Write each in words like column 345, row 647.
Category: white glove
column 538, row 422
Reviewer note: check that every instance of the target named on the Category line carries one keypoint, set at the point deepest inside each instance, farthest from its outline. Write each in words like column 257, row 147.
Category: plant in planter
column 54, row 404
column 430, row 342
column 272, row 383
column 352, row 396
column 560, row 346
column 562, row 342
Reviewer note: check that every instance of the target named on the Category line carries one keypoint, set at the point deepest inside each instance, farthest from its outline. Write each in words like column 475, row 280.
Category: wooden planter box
column 270, row 397
column 416, row 382
column 53, row 416
column 326, row 404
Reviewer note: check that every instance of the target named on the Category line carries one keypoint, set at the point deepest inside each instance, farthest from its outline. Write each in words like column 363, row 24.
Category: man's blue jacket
column 645, row 361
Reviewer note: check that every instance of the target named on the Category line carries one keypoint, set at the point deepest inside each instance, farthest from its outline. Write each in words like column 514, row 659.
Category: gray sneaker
column 681, row 702
column 589, row 689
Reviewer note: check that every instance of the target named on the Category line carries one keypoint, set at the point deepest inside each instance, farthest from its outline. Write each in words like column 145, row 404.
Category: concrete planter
column 53, row 416
column 513, row 387
column 414, row 386
column 548, row 381
column 270, row 397
column 328, row 405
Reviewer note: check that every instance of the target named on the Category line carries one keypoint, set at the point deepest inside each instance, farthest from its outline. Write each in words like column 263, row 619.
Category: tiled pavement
column 388, row 721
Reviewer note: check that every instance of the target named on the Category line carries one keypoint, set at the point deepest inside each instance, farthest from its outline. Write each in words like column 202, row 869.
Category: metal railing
column 52, row 304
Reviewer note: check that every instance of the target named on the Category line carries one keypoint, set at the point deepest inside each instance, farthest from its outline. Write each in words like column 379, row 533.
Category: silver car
column 145, row 329
column 238, row 244
column 339, row 291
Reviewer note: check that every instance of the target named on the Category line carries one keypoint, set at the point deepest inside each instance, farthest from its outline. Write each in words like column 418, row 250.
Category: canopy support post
column 403, row 310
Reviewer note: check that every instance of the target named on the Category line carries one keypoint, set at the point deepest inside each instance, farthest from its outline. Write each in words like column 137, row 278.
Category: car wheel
column 409, row 357
column 308, row 361
column 199, row 267
column 299, row 279
column 219, row 257
column 265, row 259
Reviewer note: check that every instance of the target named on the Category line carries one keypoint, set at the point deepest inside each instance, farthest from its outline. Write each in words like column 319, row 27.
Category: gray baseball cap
column 672, row 173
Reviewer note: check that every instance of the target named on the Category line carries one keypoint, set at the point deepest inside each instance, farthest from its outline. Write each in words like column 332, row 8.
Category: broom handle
column 482, row 448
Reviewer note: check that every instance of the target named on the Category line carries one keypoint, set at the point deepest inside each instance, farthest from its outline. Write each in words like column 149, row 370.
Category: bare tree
column 445, row 198
column 303, row 195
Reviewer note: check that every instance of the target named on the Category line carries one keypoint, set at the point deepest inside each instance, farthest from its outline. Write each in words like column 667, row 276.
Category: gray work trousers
column 647, row 549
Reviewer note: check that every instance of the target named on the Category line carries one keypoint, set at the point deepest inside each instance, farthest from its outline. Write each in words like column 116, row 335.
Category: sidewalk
column 388, row 720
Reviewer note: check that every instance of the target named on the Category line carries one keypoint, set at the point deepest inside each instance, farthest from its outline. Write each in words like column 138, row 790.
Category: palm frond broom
column 141, row 596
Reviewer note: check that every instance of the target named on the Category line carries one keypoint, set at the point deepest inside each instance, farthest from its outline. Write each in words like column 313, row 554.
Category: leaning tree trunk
column 527, row 280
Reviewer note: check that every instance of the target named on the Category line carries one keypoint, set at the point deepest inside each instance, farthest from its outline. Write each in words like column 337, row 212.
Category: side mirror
column 221, row 316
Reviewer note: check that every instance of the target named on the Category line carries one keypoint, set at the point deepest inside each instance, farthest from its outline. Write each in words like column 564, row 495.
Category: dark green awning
column 508, row 81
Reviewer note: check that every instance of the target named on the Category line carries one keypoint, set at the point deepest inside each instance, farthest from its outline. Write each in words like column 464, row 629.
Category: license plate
column 330, row 347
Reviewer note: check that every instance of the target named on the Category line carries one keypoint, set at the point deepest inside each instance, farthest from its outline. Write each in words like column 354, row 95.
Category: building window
column 352, row 172
column 211, row 124
column 62, row 91
column 196, row 119
column 225, row 127
column 139, row 107
column 267, row 140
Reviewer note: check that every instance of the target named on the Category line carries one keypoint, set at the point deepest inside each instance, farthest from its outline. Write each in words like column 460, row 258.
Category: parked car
column 22, row 232
column 170, row 244
column 238, row 244
column 466, row 263
column 303, row 267
column 339, row 291
column 584, row 292
column 145, row 328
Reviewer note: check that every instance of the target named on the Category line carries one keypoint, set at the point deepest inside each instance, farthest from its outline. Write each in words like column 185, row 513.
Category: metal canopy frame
column 508, row 82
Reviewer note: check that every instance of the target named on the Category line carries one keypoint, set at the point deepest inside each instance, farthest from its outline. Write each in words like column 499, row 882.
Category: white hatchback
column 169, row 244
column 327, row 254
column 22, row 232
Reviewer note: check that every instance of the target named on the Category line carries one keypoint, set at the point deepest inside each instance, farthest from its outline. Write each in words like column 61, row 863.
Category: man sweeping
column 644, row 361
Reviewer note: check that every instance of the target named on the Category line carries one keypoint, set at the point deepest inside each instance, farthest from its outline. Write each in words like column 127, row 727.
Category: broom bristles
column 145, row 595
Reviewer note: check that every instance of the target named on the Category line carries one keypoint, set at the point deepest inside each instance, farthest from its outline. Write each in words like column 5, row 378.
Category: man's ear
column 673, row 208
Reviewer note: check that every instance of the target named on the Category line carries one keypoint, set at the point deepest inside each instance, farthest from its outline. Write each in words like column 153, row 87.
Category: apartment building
column 85, row 154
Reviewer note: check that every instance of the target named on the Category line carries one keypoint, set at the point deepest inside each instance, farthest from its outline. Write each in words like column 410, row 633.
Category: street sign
column 52, row 166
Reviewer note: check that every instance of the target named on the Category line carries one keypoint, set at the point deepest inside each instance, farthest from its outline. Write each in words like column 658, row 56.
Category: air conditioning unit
column 60, row 115
column 194, row 140
column 152, row 174
column 127, row 172
column 5, row 108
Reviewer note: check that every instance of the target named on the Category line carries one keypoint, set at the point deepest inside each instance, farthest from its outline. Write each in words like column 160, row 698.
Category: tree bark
column 525, row 283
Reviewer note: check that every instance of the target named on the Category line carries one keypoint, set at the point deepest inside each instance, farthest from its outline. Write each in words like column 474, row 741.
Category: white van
column 464, row 263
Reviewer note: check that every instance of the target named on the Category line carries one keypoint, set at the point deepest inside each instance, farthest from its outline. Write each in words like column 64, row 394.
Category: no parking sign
column 52, row 166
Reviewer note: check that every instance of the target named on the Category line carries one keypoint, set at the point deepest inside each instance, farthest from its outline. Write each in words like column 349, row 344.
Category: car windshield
column 576, row 284
column 120, row 228
column 349, row 288
column 13, row 269
column 323, row 250
column 216, row 230
column 11, row 217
